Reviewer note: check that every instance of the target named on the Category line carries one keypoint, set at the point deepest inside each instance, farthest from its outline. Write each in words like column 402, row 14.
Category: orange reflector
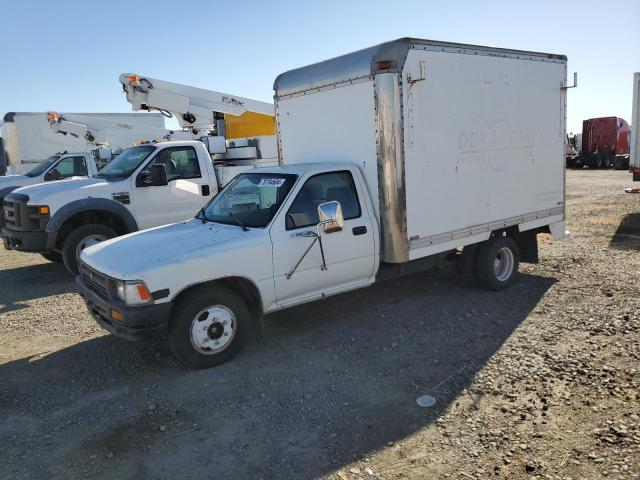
column 143, row 292
column 117, row 315
column 384, row 65
column 52, row 116
column 44, row 210
column 134, row 79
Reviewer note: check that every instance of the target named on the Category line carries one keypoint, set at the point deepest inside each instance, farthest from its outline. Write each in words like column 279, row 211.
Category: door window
column 70, row 167
column 325, row 187
column 180, row 162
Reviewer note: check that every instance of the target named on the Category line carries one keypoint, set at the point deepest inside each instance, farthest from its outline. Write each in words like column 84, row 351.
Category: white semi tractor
column 28, row 139
column 392, row 158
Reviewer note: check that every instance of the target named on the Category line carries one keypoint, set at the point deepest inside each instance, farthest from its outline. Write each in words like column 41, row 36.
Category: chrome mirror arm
column 316, row 237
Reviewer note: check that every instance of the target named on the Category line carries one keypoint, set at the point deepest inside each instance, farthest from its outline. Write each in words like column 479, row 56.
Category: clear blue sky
column 67, row 55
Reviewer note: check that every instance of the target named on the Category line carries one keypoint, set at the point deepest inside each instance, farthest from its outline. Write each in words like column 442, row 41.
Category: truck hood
column 46, row 193
column 14, row 181
column 137, row 255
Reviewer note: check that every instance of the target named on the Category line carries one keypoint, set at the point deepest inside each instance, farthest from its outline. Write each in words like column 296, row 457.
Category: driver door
column 187, row 190
column 349, row 253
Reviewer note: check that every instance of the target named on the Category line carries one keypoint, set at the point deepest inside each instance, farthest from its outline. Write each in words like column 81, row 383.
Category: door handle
column 359, row 230
column 205, row 190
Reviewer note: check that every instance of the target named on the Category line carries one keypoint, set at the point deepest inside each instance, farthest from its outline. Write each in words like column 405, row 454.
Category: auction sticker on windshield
column 271, row 182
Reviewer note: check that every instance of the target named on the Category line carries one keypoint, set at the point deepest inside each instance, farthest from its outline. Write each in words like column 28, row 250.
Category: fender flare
column 87, row 204
column 4, row 191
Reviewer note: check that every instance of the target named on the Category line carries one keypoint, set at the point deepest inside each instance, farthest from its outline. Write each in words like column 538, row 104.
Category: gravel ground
column 538, row 382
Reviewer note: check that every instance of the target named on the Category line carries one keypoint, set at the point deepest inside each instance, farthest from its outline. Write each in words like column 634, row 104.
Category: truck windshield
column 250, row 200
column 42, row 167
column 127, row 162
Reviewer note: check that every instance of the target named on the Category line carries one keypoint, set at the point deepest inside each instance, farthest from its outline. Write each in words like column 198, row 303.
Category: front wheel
column 81, row 238
column 497, row 263
column 209, row 327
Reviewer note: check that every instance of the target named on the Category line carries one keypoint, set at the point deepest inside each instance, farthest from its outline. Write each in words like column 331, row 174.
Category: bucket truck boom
column 200, row 110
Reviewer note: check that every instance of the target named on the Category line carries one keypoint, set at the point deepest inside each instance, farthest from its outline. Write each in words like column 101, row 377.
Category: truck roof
column 363, row 64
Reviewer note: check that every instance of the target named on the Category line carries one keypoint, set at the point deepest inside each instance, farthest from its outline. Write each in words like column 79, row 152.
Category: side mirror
column 51, row 175
column 154, row 176
column 159, row 175
column 330, row 216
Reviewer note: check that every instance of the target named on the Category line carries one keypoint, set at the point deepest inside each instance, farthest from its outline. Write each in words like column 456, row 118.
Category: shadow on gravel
column 18, row 285
column 627, row 236
column 329, row 382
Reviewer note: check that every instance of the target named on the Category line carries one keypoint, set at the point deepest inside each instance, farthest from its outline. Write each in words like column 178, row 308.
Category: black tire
column 53, row 256
column 77, row 237
column 485, row 268
column 189, row 310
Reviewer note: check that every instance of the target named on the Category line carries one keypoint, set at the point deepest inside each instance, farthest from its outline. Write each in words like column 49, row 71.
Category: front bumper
column 40, row 241
column 139, row 323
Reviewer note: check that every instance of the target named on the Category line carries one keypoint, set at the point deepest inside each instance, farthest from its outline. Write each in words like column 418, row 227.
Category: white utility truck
column 393, row 158
column 95, row 133
column 145, row 186
column 634, row 164
column 28, row 140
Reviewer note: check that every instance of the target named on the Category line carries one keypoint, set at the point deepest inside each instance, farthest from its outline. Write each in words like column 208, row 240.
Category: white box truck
column 392, row 158
column 28, row 139
column 634, row 164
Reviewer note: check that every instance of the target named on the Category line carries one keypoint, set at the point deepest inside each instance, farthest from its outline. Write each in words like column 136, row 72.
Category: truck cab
column 145, row 186
column 267, row 234
column 57, row 167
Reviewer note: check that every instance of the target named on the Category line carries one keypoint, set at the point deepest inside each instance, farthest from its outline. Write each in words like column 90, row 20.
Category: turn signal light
column 143, row 292
column 134, row 79
column 52, row 116
column 117, row 315
column 386, row 65
column 44, row 210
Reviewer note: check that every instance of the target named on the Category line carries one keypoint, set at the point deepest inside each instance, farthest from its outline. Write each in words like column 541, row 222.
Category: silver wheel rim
column 213, row 329
column 88, row 242
column 503, row 264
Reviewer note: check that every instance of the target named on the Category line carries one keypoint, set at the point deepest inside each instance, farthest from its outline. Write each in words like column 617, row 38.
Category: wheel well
column 240, row 285
column 101, row 217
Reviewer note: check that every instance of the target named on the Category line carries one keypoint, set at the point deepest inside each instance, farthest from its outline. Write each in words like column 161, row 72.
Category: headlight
column 133, row 292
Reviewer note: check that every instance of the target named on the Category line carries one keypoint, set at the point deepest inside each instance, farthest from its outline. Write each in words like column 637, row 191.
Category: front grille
column 19, row 216
column 11, row 219
column 95, row 280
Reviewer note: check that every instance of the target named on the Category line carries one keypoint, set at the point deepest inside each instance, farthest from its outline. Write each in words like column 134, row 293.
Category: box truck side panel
column 635, row 124
column 484, row 143
column 335, row 125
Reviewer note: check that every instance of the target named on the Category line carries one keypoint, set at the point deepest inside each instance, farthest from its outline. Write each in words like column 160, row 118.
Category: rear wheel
column 81, row 238
column 53, row 256
column 210, row 326
column 497, row 263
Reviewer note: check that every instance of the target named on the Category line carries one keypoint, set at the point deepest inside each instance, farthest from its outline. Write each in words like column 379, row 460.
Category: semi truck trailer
column 605, row 144
column 28, row 139
column 393, row 158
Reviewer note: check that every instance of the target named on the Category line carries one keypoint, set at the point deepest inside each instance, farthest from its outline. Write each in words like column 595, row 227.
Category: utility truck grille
column 95, row 280
column 19, row 216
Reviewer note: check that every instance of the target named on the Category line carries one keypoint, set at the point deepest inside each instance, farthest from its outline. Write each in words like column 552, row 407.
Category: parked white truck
column 634, row 163
column 393, row 158
column 28, row 140
column 148, row 185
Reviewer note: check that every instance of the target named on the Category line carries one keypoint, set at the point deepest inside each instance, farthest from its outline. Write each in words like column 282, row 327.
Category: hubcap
column 87, row 242
column 213, row 329
column 503, row 264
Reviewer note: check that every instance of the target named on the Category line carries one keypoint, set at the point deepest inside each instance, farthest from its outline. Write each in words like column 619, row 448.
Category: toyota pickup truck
column 393, row 159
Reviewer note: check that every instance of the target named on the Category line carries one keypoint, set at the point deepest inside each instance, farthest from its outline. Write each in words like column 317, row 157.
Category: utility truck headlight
column 133, row 292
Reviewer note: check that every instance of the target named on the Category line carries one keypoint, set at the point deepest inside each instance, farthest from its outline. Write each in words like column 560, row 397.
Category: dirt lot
column 540, row 381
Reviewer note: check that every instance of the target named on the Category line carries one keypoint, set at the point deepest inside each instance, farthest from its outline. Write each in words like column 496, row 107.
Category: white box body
column 454, row 141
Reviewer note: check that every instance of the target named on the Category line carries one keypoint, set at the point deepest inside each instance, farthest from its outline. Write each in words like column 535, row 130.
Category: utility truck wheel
column 497, row 263
column 81, row 238
column 209, row 327
column 53, row 256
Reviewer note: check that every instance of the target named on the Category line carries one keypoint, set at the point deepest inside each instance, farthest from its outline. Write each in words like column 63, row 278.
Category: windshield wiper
column 203, row 216
column 238, row 221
